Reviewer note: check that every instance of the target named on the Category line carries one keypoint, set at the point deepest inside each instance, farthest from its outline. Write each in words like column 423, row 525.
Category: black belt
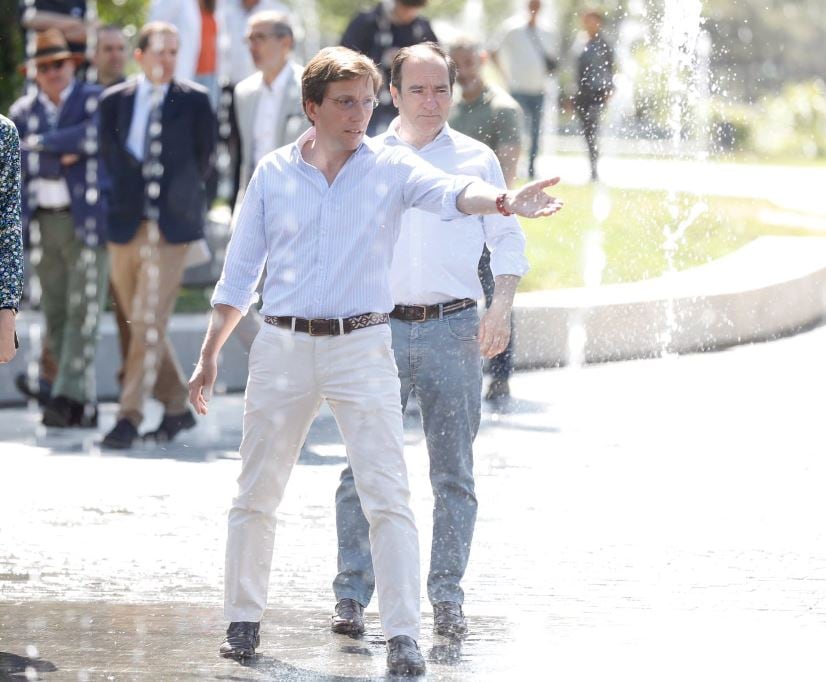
column 422, row 313
column 41, row 209
column 323, row 327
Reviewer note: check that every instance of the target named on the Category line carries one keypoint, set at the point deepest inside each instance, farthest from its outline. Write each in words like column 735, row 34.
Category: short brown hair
column 154, row 28
column 417, row 51
column 333, row 64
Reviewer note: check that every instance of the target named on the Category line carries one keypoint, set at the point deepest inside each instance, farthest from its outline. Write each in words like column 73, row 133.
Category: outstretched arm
column 223, row 320
column 531, row 201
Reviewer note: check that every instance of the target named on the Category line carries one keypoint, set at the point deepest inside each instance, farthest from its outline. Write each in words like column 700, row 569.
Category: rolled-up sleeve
column 431, row 189
column 503, row 234
column 246, row 253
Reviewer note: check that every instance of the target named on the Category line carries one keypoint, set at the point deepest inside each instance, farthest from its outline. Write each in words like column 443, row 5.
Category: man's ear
column 395, row 94
column 310, row 110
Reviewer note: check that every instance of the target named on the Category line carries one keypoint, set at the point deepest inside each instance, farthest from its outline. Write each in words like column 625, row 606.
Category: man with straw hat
column 64, row 213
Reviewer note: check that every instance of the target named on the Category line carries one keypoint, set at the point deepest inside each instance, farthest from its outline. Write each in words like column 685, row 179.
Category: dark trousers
column 533, row 106
column 589, row 111
column 500, row 366
column 226, row 177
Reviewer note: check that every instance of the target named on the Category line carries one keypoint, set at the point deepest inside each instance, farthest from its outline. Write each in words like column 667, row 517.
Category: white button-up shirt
column 435, row 265
column 144, row 95
column 328, row 247
column 267, row 111
column 52, row 192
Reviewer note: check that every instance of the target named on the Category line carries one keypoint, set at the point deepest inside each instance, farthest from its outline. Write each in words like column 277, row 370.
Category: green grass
column 634, row 234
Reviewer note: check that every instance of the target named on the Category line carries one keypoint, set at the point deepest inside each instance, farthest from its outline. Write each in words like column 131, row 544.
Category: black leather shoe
column 349, row 618
column 58, row 412
column 171, row 425
column 241, row 640
column 41, row 393
column 63, row 412
column 448, row 620
column 404, row 657
column 122, row 436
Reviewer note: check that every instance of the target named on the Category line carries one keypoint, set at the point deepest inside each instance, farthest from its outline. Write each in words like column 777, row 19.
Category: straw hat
column 51, row 46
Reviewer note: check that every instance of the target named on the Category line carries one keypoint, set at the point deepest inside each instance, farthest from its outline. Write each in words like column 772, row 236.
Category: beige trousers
column 146, row 274
column 289, row 375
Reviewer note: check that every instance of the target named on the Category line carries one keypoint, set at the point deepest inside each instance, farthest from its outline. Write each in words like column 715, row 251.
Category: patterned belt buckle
column 310, row 330
column 423, row 308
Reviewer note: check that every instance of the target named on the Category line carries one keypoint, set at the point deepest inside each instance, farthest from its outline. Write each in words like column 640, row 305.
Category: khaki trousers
column 289, row 375
column 146, row 276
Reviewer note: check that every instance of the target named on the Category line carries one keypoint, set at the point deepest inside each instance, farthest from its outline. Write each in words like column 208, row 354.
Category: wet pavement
column 649, row 520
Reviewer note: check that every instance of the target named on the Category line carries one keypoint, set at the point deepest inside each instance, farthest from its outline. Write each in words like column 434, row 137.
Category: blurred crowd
column 125, row 144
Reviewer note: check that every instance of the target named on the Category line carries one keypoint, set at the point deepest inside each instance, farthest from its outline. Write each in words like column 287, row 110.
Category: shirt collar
column 63, row 95
column 310, row 134
column 392, row 136
column 279, row 80
column 145, row 87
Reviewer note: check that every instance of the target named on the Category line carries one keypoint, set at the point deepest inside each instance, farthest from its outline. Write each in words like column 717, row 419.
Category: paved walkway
column 645, row 520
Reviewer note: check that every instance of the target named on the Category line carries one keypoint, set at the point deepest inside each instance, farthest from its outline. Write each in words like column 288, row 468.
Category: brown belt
column 323, row 327
column 422, row 313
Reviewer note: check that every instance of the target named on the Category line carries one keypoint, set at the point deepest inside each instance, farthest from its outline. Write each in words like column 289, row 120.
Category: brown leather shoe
column 404, row 657
column 349, row 618
column 448, row 620
column 241, row 641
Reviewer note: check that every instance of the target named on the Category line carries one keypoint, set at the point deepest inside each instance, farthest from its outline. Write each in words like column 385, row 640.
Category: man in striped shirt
column 323, row 215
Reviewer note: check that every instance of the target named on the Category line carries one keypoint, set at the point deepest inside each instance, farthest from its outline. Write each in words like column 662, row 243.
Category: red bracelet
column 500, row 204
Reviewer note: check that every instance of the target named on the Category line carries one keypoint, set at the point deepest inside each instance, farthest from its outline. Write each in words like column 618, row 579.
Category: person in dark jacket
column 157, row 137
column 64, row 215
column 595, row 72
column 380, row 33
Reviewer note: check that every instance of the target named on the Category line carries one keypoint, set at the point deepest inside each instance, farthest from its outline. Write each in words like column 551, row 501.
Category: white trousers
column 289, row 375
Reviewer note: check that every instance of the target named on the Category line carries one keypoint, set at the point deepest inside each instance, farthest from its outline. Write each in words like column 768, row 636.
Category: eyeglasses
column 347, row 103
column 56, row 65
column 261, row 37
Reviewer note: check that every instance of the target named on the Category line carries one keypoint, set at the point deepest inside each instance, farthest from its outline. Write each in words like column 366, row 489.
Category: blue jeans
column 532, row 105
column 439, row 361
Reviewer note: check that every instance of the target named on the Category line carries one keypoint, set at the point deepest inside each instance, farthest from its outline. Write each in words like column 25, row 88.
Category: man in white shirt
column 268, row 111
column 235, row 61
column 268, row 103
column 436, row 332
column 323, row 215
column 524, row 56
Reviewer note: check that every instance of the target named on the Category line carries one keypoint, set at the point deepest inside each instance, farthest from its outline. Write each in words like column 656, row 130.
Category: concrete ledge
column 774, row 286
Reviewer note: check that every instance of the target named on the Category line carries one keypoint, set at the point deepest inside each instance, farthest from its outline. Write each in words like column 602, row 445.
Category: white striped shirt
column 328, row 247
column 434, row 265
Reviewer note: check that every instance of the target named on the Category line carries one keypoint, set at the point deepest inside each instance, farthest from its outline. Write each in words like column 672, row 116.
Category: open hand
column 531, row 201
column 202, row 383
column 494, row 331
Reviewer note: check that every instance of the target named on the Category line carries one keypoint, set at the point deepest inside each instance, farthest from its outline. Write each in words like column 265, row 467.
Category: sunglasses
column 56, row 65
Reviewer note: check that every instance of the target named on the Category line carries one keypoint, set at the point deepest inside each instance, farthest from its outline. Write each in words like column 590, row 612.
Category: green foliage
column 791, row 124
column 125, row 13
column 11, row 55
